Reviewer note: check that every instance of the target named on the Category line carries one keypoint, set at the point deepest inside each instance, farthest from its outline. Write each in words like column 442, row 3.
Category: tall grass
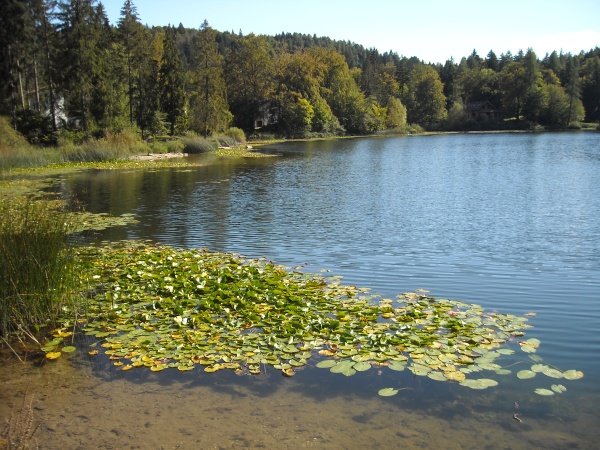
column 15, row 151
column 113, row 146
column 36, row 265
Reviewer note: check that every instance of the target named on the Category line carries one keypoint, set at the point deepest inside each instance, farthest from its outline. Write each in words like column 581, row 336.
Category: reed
column 36, row 277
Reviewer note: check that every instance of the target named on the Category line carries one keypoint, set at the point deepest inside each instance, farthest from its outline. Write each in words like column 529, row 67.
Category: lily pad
column 326, row 364
column 387, row 392
column 361, row 366
column 68, row 349
column 572, row 374
column 525, row 374
column 53, row 355
column 552, row 373
column 480, row 383
column 558, row 388
column 544, row 392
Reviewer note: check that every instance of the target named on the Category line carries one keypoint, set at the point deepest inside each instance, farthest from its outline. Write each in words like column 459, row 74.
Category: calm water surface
column 509, row 221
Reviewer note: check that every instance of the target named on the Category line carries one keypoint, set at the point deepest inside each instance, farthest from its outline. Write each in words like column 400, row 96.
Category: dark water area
column 508, row 221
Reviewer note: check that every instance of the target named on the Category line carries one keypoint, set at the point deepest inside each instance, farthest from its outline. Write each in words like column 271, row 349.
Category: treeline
column 63, row 66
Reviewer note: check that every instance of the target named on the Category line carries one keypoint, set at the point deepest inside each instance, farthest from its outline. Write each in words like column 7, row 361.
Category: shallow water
column 508, row 221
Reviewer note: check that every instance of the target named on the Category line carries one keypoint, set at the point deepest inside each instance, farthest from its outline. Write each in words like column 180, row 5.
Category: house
column 268, row 114
column 482, row 111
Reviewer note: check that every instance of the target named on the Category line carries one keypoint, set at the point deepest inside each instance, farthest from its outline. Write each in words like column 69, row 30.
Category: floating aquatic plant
column 159, row 307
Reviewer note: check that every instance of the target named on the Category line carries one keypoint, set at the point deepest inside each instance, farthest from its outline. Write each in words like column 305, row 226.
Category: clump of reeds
column 19, row 431
column 36, row 276
column 198, row 145
column 112, row 146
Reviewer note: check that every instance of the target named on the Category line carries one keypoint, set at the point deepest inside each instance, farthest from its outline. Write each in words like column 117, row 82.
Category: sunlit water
column 509, row 221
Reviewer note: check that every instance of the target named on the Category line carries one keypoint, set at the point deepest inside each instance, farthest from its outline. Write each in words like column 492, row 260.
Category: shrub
column 37, row 275
column 198, row 145
column 237, row 134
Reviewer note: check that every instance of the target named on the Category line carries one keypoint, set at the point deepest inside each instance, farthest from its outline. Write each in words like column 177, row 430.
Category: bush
column 225, row 141
column 237, row 134
column 198, row 145
column 37, row 274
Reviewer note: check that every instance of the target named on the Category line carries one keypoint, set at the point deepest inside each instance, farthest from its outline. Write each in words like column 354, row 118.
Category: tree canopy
column 64, row 66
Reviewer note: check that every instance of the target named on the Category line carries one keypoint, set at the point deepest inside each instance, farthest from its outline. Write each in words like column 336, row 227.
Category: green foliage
column 236, row 134
column 457, row 117
column 426, row 103
column 36, row 280
column 113, row 146
column 395, row 114
column 198, row 145
column 15, row 151
column 171, row 82
column 210, row 112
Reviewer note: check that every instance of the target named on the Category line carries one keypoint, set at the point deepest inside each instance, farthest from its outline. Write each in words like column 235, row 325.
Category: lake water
column 509, row 221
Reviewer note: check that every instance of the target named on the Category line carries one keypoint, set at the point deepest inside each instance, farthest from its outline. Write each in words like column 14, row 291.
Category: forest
column 65, row 69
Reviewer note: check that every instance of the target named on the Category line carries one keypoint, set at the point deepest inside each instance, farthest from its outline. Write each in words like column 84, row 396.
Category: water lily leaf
column 552, row 373
column 362, row 366
column 573, row 374
column 397, row 366
column 539, row 368
column 542, row 391
column 525, row 374
column 348, row 372
column 288, row 372
column 437, row 376
column 455, row 376
column 505, row 351
column 68, row 349
column 326, row 364
column 480, row 383
column 387, row 392
column 558, row 388
column 341, row 366
column 53, row 355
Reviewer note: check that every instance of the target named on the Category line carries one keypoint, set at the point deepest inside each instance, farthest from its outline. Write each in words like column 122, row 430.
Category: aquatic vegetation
column 159, row 307
column 36, row 280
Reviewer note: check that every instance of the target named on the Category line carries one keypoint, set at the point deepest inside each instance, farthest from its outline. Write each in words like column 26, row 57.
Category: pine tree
column 171, row 81
column 209, row 95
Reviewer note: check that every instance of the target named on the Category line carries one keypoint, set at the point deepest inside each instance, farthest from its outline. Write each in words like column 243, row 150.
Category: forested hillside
column 63, row 66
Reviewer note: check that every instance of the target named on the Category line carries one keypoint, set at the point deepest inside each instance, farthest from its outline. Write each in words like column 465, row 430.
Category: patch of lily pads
column 159, row 307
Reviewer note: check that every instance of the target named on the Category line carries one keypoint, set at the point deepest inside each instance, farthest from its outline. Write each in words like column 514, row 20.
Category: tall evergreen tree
column 171, row 81
column 130, row 30
column 209, row 96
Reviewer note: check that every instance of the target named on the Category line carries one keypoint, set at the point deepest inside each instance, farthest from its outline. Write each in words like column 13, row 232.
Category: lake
column 508, row 221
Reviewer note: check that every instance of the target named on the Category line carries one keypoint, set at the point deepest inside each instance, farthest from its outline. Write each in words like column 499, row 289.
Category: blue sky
column 433, row 30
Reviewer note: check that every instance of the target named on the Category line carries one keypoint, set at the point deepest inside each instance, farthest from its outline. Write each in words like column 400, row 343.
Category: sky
column 432, row 30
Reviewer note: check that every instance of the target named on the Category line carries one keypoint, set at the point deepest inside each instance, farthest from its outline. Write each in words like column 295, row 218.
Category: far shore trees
column 63, row 66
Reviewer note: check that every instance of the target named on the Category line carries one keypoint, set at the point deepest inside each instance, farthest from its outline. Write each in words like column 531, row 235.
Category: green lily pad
column 397, row 366
column 573, row 374
column 558, row 388
column 544, row 392
column 326, row 364
column 552, row 373
column 525, row 374
column 387, row 392
column 68, row 349
column 480, row 383
column 361, row 366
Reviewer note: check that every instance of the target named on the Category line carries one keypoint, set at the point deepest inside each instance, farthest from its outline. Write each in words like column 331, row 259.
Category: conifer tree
column 171, row 81
column 209, row 96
